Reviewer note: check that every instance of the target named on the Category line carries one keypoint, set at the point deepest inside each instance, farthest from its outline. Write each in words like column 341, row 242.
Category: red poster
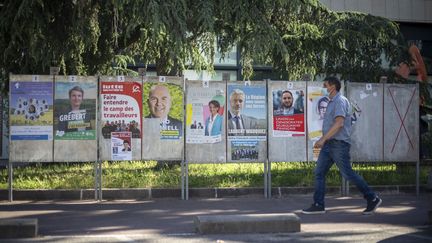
column 121, row 108
column 288, row 113
column 292, row 123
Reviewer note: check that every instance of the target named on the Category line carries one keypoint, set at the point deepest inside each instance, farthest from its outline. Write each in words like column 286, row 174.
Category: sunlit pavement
column 401, row 218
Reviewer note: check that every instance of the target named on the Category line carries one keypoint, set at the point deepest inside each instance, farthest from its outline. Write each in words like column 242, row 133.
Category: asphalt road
column 401, row 218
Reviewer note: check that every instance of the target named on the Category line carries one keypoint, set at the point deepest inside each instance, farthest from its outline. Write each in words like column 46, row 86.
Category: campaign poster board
column 5, row 128
column 246, row 121
column 121, row 146
column 287, row 121
column 120, row 111
column 425, row 126
column 366, row 101
column 401, row 119
column 317, row 103
column 75, row 119
column 205, row 115
column 31, row 118
column 163, row 115
column 205, row 142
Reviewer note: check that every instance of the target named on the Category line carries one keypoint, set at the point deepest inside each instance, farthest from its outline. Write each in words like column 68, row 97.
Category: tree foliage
column 295, row 37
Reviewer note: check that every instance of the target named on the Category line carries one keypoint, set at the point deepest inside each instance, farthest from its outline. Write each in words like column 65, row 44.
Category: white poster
column 205, row 115
column 317, row 103
column 121, row 146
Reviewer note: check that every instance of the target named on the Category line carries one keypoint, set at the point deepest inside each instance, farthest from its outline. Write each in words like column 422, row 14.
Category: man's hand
column 319, row 143
column 337, row 125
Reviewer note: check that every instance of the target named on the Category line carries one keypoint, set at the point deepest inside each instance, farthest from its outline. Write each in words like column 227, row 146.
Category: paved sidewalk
column 401, row 218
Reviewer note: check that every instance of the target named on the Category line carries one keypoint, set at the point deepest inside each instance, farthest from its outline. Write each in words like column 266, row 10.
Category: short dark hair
column 215, row 103
column 332, row 80
column 126, row 141
column 76, row 88
column 324, row 99
column 287, row 91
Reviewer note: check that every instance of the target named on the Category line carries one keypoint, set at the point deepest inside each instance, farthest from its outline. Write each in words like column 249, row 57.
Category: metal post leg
column 96, row 176
column 100, row 180
column 182, row 180
column 187, row 179
column 269, row 180
column 265, row 180
column 10, row 181
column 418, row 178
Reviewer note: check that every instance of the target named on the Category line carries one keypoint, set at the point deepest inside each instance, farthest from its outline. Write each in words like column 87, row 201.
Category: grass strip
column 148, row 174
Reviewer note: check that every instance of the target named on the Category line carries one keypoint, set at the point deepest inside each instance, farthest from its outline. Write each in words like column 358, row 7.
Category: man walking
column 335, row 146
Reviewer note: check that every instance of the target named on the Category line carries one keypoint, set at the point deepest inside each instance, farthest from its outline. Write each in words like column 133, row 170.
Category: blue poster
column 31, row 110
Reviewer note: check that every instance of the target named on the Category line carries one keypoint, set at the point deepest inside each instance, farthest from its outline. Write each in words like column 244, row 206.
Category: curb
column 18, row 228
column 154, row 193
column 247, row 223
column 430, row 217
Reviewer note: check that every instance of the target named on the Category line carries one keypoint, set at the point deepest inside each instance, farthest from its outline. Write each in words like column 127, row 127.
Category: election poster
column 243, row 149
column 121, row 108
column 317, row 103
column 205, row 115
column 288, row 113
column 163, row 104
column 121, row 145
column 31, row 110
column 75, row 111
column 247, row 123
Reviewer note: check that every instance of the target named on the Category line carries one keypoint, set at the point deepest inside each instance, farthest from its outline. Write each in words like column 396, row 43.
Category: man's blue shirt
column 338, row 106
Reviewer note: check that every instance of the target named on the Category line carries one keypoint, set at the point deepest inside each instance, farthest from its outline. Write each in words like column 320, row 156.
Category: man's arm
column 336, row 127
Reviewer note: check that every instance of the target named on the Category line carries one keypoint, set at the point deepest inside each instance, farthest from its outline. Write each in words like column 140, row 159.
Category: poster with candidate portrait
column 121, row 146
column 205, row 143
column 30, row 116
column 317, row 103
column 288, row 112
column 121, row 108
column 246, row 121
column 163, row 113
column 31, row 110
column 287, row 125
column 75, row 110
column 163, row 104
column 205, row 115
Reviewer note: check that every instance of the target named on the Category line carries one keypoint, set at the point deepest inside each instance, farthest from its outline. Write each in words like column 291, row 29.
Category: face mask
column 324, row 92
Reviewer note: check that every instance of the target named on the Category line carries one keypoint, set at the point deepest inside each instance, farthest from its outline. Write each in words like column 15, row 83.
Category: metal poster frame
column 185, row 163
column 266, row 164
column 346, row 184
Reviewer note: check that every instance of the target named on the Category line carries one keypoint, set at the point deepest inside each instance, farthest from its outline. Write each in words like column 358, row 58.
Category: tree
column 296, row 37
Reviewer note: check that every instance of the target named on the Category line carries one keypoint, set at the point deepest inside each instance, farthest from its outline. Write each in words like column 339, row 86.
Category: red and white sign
column 121, row 108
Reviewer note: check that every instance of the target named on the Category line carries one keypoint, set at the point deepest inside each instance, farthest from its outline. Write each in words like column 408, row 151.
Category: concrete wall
column 367, row 129
column 401, row 119
column 397, row 10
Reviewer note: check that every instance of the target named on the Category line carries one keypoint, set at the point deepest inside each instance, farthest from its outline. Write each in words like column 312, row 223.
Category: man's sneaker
column 372, row 205
column 314, row 209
